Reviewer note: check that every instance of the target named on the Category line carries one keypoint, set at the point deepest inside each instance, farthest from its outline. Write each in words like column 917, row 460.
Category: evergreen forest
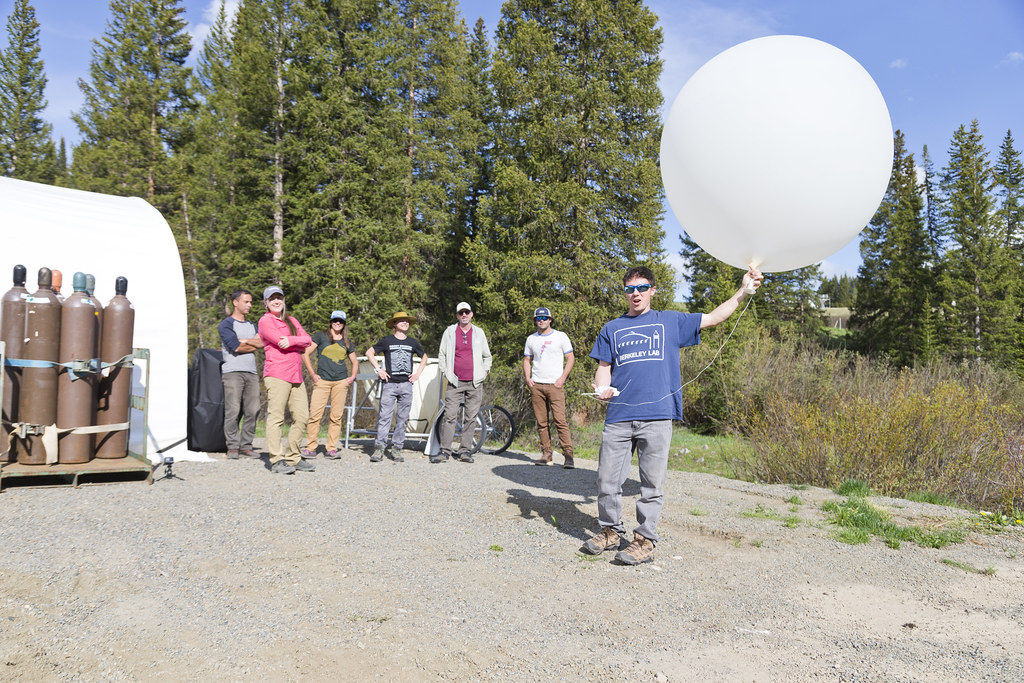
column 380, row 156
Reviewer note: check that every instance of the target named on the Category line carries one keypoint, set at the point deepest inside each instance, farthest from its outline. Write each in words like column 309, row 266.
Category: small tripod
column 169, row 473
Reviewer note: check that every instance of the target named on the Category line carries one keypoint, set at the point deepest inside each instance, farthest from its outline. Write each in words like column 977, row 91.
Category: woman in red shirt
column 284, row 341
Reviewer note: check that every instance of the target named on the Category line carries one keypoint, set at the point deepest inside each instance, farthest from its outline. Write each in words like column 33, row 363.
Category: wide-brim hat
column 401, row 315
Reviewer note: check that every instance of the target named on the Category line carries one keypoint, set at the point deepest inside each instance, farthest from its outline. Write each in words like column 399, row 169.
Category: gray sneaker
column 304, row 465
column 282, row 467
column 377, row 455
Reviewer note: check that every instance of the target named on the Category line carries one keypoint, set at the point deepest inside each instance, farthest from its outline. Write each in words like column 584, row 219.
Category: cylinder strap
column 76, row 368
column 51, row 433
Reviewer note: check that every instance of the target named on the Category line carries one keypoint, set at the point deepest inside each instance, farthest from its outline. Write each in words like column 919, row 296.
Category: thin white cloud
column 1013, row 58
column 898, row 64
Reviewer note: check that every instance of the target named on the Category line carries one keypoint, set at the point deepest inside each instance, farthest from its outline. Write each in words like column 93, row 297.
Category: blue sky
column 938, row 63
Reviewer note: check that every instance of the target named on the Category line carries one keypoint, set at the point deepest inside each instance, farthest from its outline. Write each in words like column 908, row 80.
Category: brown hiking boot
column 639, row 551
column 606, row 539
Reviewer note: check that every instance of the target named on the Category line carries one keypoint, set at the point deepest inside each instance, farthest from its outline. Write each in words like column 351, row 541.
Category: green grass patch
column 854, row 487
column 791, row 522
column 761, row 512
column 583, row 557
column 929, row 497
column 698, row 512
column 794, row 500
column 496, row 548
column 858, row 520
column 988, row 571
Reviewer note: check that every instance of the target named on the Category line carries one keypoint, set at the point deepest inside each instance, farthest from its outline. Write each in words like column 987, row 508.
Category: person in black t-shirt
column 400, row 351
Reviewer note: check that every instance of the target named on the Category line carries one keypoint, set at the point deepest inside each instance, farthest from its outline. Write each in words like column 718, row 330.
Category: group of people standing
column 464, row 358
column 637, row 374
column 287, row 348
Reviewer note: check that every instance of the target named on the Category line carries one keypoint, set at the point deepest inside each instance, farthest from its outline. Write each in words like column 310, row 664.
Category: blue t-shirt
column 644, row 354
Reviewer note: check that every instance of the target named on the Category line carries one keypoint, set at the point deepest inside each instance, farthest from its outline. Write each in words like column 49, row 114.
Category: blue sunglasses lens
column 541, row 318
column 629, row 289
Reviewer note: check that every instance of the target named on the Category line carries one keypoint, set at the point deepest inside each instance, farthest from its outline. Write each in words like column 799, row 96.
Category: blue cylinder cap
column 78, row 282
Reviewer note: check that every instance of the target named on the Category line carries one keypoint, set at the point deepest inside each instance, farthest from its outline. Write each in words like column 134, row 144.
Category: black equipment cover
column 206, row 403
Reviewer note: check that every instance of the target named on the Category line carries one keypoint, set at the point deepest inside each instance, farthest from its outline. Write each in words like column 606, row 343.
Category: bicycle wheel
column 499, row 429
column 478, row 430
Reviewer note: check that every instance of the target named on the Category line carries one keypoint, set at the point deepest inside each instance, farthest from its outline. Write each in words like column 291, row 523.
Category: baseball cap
column 541, row 312
column 463, row 306
column 271, row 291
column 339, row 315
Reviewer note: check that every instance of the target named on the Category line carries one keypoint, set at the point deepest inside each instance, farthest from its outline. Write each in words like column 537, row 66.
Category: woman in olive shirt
column 330, row 382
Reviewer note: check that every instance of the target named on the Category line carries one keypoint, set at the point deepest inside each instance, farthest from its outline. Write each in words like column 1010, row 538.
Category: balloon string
column 694, row 378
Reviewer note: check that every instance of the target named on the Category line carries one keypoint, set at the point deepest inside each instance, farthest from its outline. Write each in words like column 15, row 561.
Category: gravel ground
column 412, row 571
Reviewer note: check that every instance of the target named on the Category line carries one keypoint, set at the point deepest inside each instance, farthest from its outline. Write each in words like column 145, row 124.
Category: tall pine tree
column 1008, row 174
column 135, row 100
column 893, row 314
column 26, row 148
column 209, row 185
column 978, row 305
column 577, row 194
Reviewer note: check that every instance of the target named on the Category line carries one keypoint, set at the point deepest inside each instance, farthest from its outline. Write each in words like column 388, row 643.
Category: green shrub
column 901, row 435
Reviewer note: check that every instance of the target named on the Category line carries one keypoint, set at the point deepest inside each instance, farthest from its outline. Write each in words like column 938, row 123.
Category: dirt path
column 411, row 572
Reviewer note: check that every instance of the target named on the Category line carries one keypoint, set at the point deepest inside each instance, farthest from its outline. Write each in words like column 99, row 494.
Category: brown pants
column 542, row 397
column 322, row 391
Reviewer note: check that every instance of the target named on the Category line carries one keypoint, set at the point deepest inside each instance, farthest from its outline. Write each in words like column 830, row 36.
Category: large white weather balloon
column 776, row 153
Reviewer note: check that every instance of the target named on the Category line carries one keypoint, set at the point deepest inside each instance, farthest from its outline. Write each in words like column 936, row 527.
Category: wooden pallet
column 96, row 471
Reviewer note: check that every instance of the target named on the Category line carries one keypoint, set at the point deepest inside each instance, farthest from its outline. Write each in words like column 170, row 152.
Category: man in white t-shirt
column 547, row 361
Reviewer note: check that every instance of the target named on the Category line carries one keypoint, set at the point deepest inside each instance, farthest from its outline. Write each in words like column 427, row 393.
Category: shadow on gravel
column 559, row 511
column 580, row 482
column 513, row 455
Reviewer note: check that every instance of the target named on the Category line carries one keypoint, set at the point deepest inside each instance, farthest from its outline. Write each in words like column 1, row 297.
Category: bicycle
column 493, row 430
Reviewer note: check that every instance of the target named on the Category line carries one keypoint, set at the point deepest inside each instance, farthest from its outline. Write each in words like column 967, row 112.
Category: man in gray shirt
column 239, row 341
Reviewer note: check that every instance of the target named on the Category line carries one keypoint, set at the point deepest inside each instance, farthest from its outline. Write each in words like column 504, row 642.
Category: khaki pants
column 543, row 396
column 279, row 395
column 323, row 391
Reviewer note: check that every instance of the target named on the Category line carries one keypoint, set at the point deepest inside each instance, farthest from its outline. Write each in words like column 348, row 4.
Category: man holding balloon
column 774, row 155
column 638, row 374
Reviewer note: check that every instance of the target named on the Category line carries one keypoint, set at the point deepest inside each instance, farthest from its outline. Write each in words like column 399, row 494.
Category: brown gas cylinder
column 76, row 391
column 90, row 289
column 12, row 332
column 116, row 386
column 37, row 400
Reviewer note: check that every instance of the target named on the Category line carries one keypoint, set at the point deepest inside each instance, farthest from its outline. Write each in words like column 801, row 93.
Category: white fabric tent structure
column 71, row 230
